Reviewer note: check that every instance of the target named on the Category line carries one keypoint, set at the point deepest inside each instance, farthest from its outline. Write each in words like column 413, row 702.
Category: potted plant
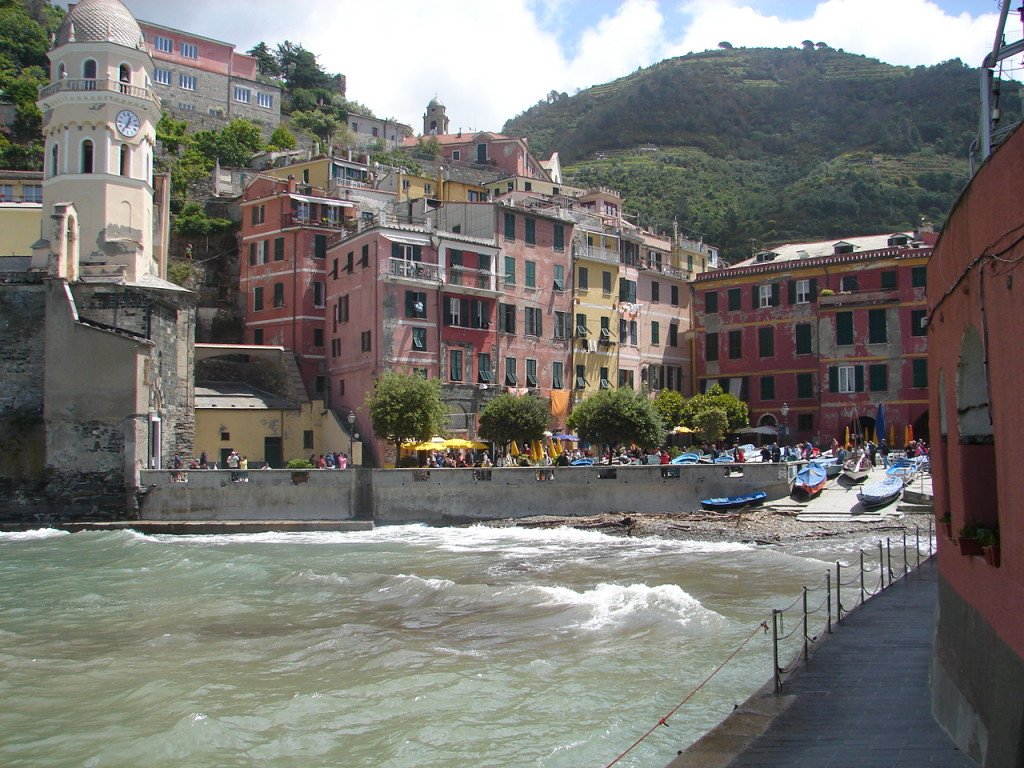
column 947, row 526
column 826, row 292
column 300, row 470
column 970, row 545
column 989, row 540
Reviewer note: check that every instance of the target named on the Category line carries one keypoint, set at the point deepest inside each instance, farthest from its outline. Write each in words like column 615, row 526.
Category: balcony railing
column 468, row 277
column 79, row 85
column 848, row 298
column 598, row 254
column 412, row 270
column 296, row 219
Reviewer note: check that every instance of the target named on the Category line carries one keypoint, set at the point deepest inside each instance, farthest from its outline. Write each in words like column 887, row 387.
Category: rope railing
column 831, row 608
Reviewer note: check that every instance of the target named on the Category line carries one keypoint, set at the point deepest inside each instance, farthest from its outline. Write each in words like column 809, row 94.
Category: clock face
column 127, row 123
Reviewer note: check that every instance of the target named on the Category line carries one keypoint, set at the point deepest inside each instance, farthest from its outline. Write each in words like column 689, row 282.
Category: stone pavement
column 863, row 701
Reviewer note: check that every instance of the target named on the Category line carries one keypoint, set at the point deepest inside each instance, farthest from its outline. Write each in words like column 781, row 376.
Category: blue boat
column 830, row 464
column 881, row 493
column 725, row 503
column 810, row 480
column 686, row 458
column 582, row 463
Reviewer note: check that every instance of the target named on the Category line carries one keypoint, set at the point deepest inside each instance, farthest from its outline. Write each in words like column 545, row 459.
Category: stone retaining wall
column 449, row 495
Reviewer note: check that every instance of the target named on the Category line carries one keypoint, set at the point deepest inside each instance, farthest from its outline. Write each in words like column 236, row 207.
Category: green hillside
column 770, row 145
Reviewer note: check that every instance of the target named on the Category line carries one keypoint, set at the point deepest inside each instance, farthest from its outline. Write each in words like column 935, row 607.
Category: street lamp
column 353, row 436
column 785, row 420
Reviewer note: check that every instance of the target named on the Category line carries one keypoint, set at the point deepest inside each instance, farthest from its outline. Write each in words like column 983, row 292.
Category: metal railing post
column 888, row 558
column 862, row 577
column 776, row 675
column 931, row 536
column 828, row 600
column 917, row 546
column 839, row 592
column 806, row 655
column 881, row 565
column 904, row 554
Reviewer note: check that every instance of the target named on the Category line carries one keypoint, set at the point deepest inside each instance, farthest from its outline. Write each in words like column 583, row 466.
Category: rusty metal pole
column 881, row 566
column 862, row 576
column 904, row 554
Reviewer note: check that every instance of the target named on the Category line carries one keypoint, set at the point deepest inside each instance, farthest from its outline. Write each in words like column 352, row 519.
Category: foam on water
column 33, row 535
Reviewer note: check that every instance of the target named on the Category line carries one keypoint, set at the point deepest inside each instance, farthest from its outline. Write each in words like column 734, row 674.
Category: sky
column 488, row 61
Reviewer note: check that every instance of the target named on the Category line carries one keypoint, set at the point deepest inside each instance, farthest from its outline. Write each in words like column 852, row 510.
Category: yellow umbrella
column 892, row 434
column 513, row 449
column 553, row 450
column 536, row 450
column 478, row 445
column 846, row 436
column 682, row 430
column 457, row 442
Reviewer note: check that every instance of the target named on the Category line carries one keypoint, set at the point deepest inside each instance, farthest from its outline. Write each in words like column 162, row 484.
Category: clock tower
column 99, row 124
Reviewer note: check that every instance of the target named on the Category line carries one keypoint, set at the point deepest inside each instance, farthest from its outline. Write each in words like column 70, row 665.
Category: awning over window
column 408, row 239
column 322, row 201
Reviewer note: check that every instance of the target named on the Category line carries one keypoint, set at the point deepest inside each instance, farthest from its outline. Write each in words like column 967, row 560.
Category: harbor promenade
column 861, row 701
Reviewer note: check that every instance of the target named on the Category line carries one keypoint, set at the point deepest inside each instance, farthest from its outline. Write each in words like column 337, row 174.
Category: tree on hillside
column 618, row 416
column 233, row 145
column 508, row 418
column 318, row 124
column 736, row 412
column 405, row 407
column 266, row 62
column 300, row 67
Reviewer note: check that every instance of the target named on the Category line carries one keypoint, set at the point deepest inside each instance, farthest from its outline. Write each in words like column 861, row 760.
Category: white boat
column 856, row 470
column 881, row 493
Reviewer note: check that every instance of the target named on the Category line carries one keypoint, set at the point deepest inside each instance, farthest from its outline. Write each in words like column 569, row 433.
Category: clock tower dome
column 99, row 124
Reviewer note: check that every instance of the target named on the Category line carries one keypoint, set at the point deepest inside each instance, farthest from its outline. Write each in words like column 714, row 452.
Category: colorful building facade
column 816, row 336
column 975, row 369
column 286, row 231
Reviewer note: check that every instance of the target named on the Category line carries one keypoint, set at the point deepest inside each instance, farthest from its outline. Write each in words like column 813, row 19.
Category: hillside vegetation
column 752, row 146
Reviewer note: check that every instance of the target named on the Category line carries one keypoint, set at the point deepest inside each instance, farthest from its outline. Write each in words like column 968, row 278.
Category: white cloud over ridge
column 488, row 61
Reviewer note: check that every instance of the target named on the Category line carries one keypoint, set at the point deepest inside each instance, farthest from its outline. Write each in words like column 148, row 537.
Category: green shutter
column 833, row 379
column 792, row 292
column 814, row 289
column 858, row 378
column 396, row 251
column 775, row 294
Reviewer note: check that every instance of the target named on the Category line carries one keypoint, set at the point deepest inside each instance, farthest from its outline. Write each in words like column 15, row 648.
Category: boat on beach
column 686, row 458
column 881, row 493
column 726, row 503
column 830, row 464
column 810, row 481
column 856, row 470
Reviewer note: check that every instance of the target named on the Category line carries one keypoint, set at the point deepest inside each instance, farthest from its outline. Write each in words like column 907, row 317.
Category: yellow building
column 21, row 205
column 263, row 427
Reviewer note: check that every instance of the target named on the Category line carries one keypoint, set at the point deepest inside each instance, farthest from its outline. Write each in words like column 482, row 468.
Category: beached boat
column 582, row 463
column 881, row 493
column 857, row 470
column 724, row 503
column 830, row 464
column 686, row 458
column 810, row 481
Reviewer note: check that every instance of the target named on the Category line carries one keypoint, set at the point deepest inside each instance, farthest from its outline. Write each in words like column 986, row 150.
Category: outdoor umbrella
column 880, row 422
column 458, row 442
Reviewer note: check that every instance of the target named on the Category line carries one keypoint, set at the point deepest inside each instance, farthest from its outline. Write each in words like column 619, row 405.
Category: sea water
column 403, row 646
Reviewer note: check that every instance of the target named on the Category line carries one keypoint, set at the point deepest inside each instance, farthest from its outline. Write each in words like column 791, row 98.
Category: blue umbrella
column 880, row 423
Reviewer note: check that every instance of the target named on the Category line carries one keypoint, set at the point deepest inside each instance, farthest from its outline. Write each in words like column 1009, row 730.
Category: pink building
column 815, row 336
column 975, row 369
column 286, row 231
column 506, row 153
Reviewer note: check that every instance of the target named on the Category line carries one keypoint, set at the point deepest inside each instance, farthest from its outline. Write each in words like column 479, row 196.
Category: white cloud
column 488, row 61
column 906, row 32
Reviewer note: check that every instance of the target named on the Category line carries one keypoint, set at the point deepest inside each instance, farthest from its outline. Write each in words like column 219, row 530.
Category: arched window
column 126, row 161
column 62, row 71
column 54, row 159
column 124, row 75
column 87, row 156
column 89, row 69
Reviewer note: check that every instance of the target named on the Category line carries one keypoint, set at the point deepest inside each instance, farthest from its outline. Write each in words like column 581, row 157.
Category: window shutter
column 410, row 301
column 396, row 251
column 775, row 294
column 464, row 314
column 814, row 289
column 417, row 254
column 858, row 378
column 833, row 379
column 755, row 298
column 792, row 291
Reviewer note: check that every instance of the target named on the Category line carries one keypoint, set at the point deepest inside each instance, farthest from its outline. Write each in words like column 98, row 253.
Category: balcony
column 598, row 254
column 83, row 85
column 413, row 271
column 476, row 282
column 854, row 298
column 299, row 219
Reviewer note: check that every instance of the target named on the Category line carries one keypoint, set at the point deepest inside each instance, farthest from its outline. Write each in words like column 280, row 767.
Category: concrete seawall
column 448, row 495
